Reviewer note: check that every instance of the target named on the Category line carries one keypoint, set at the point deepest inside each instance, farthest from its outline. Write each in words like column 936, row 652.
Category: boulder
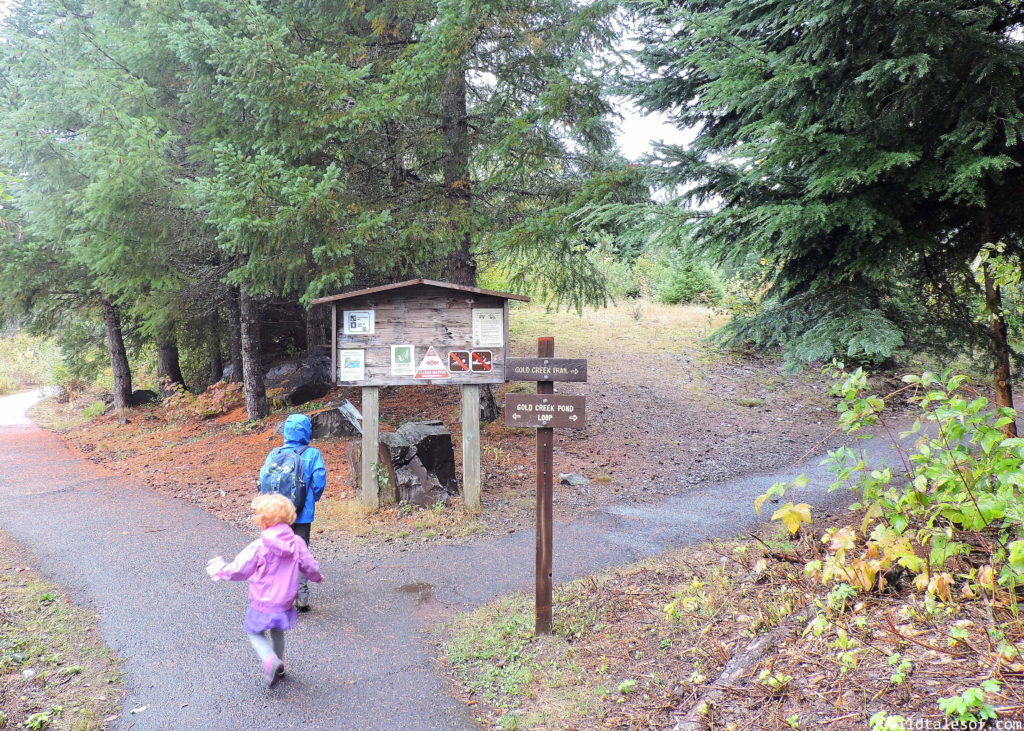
column 143, row 396
column 301, row 381
column 332, row 423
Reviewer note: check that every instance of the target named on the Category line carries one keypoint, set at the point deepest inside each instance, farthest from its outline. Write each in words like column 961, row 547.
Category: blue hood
column 297, row 430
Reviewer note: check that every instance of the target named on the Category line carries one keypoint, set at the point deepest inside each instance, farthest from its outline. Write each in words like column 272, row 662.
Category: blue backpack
column 282, row 473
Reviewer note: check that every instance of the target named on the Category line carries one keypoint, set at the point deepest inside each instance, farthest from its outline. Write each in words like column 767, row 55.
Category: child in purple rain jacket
column 272, row 565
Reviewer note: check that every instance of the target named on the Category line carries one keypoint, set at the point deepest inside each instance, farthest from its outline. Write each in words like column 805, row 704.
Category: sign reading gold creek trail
column 546, row 369
column 553, row 411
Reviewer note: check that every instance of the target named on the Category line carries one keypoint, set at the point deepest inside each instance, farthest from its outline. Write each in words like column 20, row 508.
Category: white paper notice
column 351, row 365
column 488, row 328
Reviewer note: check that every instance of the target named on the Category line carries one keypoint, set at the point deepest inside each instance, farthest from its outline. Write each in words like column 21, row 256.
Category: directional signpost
column 537, row 409
column 546, row 411
column 546, row 369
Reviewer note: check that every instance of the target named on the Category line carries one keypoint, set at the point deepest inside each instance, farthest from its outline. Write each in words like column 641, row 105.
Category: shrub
column 689, row 283
column 951, row 509
column 218, row 399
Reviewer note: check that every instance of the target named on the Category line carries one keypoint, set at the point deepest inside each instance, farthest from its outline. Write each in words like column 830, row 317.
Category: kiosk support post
column 471, row 447
column 369, row 492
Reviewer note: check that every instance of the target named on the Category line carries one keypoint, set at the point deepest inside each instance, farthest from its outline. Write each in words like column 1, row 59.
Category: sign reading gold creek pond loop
column 545, row 410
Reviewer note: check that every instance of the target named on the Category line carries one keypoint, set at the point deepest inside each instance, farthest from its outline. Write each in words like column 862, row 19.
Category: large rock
column 332, row 423
column 301, row 381
column 143, row 396
column 138, row 397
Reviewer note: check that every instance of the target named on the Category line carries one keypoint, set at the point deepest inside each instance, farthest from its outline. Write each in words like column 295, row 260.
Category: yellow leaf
column 843, row 539
column 793, row 516
column 987, row 577
column 941, row 586
column 921, row 582
column 875, row 511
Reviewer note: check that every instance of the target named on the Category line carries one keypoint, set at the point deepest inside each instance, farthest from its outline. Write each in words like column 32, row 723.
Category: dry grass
column 403, row 524
column 636, row 325
column 642, row 646
column 55, row 670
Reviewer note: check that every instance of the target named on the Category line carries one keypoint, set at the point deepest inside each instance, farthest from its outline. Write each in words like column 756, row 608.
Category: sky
column 637, row 130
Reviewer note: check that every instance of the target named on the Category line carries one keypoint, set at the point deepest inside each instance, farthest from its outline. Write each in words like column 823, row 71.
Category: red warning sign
column 432, row 367
column 458, row 361
column 481, row 361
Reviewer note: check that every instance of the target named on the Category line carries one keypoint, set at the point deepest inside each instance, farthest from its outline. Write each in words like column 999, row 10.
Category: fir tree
column 856, row 148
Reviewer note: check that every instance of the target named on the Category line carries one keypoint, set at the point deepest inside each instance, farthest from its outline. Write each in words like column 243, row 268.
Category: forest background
column 180, row 179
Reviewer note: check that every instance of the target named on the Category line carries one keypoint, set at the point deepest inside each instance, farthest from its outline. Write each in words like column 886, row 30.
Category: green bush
column 25, row 361
column 689, row 283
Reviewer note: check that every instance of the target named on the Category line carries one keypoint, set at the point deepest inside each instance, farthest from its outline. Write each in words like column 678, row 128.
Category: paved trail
column 359, row 660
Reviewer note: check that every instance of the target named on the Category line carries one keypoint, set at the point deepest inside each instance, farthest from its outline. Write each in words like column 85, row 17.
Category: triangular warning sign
column 432, row 367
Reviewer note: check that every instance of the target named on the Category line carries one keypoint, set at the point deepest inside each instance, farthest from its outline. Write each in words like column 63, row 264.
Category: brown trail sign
column 546, row 411
column 546, row 369
column 536, row 409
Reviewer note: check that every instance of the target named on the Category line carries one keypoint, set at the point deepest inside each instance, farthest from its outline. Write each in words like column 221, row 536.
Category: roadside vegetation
column 26, row 362
column 55, row 670
column 903, row 612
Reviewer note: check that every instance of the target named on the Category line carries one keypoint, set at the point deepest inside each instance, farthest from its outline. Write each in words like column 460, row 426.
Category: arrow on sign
column 573, row 418
column 515, row 416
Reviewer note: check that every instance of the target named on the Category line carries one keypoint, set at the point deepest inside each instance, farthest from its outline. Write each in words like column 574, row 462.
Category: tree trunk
column 315, row 328
column 1000, row 346
column 460, row 267
column 252, row 359
column 235, row 335
column 118, row 356
column 488, row 406
column 216, row 362
column 168, row 365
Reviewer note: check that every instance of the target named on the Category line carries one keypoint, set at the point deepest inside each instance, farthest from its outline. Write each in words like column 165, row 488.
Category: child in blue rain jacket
column 297, row 432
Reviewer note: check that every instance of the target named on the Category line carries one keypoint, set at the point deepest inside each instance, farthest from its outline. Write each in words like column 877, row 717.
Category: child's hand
column 214, row 565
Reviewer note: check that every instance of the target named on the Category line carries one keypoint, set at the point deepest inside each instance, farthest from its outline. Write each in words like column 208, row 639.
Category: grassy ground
column 642, row 647
column 55, row 670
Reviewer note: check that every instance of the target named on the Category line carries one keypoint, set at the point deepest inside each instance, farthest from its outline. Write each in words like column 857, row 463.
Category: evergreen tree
column 865, row 151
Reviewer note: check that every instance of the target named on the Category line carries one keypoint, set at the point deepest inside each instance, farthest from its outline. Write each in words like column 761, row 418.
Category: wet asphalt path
column 359, row 660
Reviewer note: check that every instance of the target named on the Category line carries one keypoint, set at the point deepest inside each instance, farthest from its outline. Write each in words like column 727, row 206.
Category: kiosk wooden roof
column 414, row 282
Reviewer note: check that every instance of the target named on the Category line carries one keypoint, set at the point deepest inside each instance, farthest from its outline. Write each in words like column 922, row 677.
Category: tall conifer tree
column 865, row 151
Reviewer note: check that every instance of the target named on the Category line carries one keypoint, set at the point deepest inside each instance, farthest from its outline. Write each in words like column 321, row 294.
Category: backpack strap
column 300, row 450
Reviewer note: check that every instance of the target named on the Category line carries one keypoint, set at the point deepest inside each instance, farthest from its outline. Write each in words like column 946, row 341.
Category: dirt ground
column 665, row 411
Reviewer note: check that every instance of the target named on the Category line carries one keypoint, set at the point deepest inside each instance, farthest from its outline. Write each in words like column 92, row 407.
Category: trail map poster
column 351, row 365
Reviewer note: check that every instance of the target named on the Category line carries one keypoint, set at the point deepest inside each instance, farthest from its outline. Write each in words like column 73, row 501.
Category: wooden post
column 334, row 343
column 369, row 492
column 471, row 447
column 545, row 466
